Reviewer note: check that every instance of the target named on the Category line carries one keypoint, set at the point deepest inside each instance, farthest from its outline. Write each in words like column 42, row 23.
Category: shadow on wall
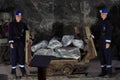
column 115, row 20
column 57, row 29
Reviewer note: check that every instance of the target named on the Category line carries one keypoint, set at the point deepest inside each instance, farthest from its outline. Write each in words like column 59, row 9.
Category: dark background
column 42, row 15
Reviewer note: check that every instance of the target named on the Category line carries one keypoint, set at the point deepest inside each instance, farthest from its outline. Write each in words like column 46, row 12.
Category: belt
column 18, row 38
column 102, row 34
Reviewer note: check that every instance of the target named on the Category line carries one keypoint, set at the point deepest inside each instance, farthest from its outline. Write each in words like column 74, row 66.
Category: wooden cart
column 66, row 66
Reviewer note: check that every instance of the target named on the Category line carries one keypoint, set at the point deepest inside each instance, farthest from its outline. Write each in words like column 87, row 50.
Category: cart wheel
column 67, row 69
column 50, row 70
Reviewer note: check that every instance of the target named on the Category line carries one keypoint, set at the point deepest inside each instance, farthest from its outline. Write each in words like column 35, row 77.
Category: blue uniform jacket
column 104, row 29
column 17, row 31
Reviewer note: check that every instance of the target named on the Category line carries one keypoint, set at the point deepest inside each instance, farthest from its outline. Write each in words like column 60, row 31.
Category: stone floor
column 93, row 70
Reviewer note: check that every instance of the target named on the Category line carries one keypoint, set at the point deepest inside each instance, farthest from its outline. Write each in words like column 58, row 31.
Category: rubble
column 42, row 44
column 60, row 49
column 54, row 43
column 67, row 40
column 69, row 52
column 78, row 43
column 49, row 52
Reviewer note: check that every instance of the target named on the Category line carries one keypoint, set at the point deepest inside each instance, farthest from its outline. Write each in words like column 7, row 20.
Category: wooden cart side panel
column 28, row 55
column 59, row 63
column 90, row 46
column 88, row 33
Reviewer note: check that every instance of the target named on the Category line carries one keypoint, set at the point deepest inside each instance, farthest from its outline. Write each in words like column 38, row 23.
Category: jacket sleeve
column 96, row 29
column 108, row 33
column 26, row 28
column 10, row 30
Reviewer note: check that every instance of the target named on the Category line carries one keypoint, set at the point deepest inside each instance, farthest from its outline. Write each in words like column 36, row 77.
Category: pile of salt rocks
column 60, row 49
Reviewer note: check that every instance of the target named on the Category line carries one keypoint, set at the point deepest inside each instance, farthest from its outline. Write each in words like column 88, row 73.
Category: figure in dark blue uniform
column 104, row 28
column 17, row 43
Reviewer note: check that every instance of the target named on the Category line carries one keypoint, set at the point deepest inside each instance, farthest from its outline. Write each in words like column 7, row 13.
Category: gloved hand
column 92, row 36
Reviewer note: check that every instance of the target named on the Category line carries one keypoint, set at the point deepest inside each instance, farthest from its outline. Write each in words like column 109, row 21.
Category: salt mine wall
column 43, row 16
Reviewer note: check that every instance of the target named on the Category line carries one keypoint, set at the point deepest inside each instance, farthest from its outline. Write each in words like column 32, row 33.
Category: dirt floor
column 92, row 71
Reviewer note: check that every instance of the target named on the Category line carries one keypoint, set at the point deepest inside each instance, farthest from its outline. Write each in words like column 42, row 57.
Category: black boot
column 13, row 71
column 103, row 73
column 23, row 71
column 109, row 72
column 108, row 76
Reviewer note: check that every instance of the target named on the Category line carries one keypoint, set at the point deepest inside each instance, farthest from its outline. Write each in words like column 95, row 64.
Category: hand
column 92, row 36
column 11, row 46
column 107, row 45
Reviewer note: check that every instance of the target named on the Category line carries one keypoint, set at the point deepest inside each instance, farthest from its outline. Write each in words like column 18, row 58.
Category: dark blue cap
column 18, row 12
column 104, row 10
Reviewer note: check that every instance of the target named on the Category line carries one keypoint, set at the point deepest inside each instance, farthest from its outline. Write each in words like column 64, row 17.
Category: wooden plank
column 27, row 48
column 90, row 46
column 88, row 33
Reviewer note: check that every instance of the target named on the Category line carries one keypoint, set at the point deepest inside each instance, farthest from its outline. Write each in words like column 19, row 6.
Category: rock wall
column 42, row 15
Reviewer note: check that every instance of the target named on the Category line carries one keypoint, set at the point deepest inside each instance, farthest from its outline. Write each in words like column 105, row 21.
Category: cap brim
column 19, row 14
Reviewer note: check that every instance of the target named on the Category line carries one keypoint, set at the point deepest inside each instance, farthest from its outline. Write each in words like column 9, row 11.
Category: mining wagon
column 67, row 66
